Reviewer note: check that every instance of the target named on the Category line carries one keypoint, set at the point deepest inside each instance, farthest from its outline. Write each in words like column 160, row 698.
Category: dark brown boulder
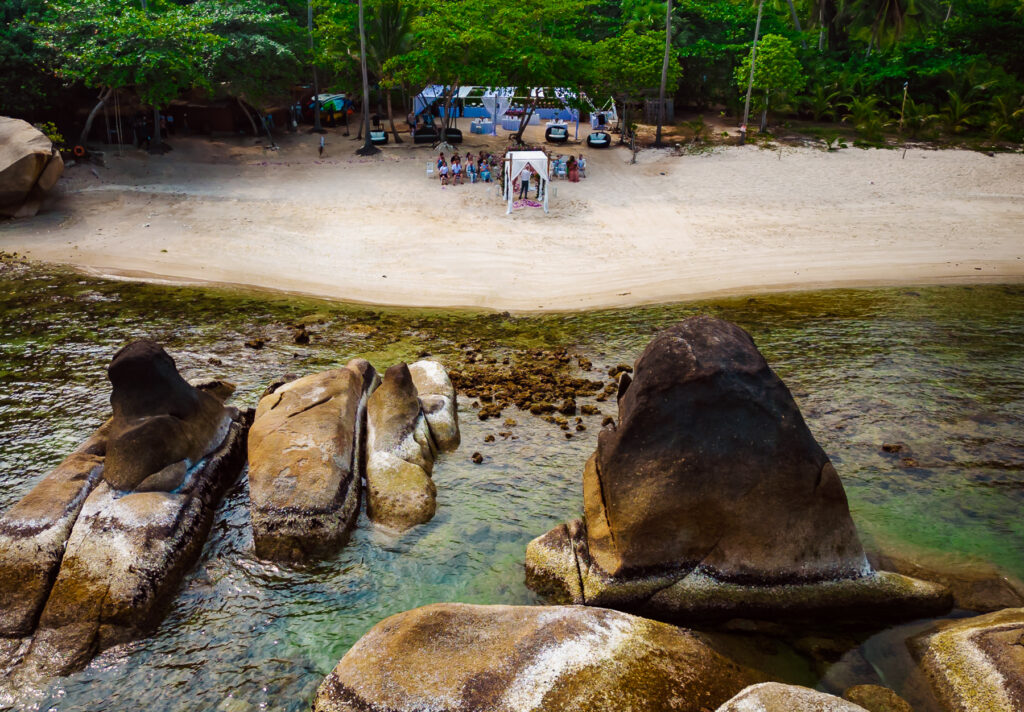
column 711, row 498
column 159, row 418
column 710, row 462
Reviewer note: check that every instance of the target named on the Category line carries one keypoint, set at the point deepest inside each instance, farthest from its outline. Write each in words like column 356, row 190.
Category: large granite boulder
column 33, row 534
column 401, row 448
column 776, row 697
column 87, row 565
column 29, row 167
column 464, row 658
column 976, row 664
column 160, row 421
column 437, row 400
column 710, row 498
column 306, row 462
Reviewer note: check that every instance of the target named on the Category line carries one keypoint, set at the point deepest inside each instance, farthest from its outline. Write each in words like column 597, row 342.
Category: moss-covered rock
column 458, row 658
column 976, row 664
column 776, row 697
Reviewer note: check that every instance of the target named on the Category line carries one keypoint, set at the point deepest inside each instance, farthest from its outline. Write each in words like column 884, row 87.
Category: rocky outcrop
column 306, row 462
column 463, row 658
column 33, row 534
column 776, row 697
column 402, row 445
column 29, row 167
column 437, row 400
column 162, row 426
column 88, row 564
column 976, row 664
column 875, row 698
column 711, row 499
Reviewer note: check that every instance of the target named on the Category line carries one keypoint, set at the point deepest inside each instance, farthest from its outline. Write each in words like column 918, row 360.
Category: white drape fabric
column 515, row 161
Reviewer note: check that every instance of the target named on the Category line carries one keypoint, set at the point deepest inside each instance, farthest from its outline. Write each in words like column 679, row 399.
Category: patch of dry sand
column 736, row 220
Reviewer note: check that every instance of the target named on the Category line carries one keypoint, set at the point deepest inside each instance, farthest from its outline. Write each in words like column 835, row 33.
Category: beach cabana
column 515, row 161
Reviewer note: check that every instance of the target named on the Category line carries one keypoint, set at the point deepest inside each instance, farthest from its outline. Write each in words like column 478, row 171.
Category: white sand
column 736, row 220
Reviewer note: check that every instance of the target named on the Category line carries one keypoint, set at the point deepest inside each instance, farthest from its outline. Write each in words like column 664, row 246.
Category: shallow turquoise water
column 939, row 369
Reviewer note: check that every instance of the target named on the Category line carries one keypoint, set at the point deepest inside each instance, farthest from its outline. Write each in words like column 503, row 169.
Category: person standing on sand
column 322, row 142
column 524, row 182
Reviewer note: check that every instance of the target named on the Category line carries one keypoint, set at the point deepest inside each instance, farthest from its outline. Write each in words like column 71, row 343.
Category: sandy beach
column 670, row 227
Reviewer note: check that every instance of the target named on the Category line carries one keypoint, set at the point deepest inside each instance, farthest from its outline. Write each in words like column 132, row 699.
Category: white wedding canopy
column 515, row 161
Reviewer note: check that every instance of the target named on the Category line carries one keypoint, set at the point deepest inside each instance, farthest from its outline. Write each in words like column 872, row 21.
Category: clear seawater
column 940, row 369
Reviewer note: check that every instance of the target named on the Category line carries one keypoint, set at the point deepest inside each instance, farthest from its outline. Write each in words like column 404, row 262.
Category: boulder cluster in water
column 707, row 501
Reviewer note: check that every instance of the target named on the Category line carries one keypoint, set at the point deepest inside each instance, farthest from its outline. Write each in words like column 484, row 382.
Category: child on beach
column 442, row 170
column 321, row 154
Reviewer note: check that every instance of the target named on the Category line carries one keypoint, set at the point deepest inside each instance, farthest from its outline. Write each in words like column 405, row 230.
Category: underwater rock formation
column 976, row 664
column 88, row 564
column 29, row 167
column 776, row 697
column 463, row 658
column 306, row 462
column 711, row 499
column 404, row 433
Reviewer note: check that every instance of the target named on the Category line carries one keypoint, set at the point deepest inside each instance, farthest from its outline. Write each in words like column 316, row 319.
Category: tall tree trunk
column 796, row 24
column 525, row 121
column 664, row 71
column 391, row 117
column 252, row 121
column 104, row 97
column 368, row 148
column 155, row 144
column 753, row 60
column 949, row 13
column 821, row 25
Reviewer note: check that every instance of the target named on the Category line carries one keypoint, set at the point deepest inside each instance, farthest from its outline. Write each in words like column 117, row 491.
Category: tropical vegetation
column 919, row 69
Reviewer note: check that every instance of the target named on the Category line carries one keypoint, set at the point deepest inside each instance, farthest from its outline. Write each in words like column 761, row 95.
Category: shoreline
column 729, row 222
column 1008, row 278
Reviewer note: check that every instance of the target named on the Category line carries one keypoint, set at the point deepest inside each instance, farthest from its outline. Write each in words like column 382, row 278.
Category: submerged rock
column 410, row 418
column 875, row 698
column 29, row 167
column 776, row 697
column 976, row 664
column 711, row 499
column 462, row 658
column 306, row 462
column 88, row 565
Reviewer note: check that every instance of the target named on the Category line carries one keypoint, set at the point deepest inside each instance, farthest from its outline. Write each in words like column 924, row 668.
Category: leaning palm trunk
column 104, row 97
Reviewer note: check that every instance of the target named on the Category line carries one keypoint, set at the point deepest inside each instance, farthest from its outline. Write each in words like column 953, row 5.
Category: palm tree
column 664, row 71
column 368, row 148
column 390, row 35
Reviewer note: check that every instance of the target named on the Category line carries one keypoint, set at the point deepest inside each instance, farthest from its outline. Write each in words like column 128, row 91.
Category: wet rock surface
column 29, row 167
column 459, row 657
column 976, row 664
column 875, row 698
column 400, row 454
column 776, row 697
column 306, row 462
column 88, row 565
column 159, row 419
column 710, row 498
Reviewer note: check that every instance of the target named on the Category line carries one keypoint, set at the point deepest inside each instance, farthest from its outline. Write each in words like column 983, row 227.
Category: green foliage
column 51, row 132
column 917, row 118
column 777, row 71
column 106, row 43
column 628, row 65
column 821, row 102
column 834, row 142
